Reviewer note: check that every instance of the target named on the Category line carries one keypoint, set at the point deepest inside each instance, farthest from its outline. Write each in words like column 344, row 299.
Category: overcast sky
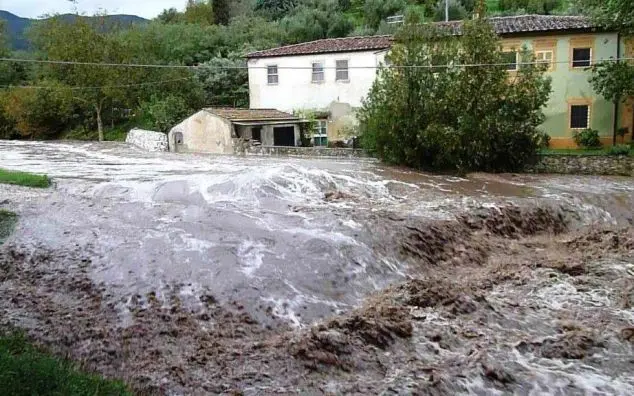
column 35, row 8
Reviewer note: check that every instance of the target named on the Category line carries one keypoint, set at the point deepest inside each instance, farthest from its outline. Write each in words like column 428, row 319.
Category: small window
column 342, row 71
column 579, row 116
column 581, row 57
column 545, row 57
column 320, row 133
column 510, row 60
column 178, row 137
column 318, row 72
column 256, row 133
column 273, row 77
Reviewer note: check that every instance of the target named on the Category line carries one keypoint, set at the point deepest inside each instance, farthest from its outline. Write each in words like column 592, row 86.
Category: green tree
column 613, row 80
column 199, row 12
column 440, row 115
column 275, row 9
column 225, row 81
column 221, row 12
column 82, row 40
column 378, row 10
column 456, row 11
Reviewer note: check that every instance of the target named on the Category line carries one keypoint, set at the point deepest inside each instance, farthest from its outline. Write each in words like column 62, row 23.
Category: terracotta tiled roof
column 529, row 23
column 344, row 44
column 502, row 25
column 234, row 114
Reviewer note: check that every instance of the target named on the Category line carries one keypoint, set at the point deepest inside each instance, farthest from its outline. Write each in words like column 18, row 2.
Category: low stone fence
column 148, row 140
column 315, row 152
column 584, row 165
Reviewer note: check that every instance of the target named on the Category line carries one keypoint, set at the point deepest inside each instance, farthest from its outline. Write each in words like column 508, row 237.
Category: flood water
column 295, row 241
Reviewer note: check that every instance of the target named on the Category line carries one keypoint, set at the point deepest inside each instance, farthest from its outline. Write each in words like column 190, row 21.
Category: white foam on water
column 250, row 256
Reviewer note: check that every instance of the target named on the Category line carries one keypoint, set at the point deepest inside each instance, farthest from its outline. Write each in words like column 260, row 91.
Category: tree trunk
column 99, row 123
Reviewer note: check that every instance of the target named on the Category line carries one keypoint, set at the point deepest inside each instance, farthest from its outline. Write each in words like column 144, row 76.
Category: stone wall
column 304, row 152
column 148, row 140
column 584, row 165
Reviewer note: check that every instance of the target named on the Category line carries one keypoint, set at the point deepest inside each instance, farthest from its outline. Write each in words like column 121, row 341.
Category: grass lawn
column 24, row 179
column 26, row 371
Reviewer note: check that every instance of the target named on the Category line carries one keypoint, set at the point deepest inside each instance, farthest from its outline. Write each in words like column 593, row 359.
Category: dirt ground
column 508, row 300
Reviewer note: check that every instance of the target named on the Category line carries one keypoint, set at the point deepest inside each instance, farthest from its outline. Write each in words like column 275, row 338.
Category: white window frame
column 321, row 129
column 338, row 69
column 572, row 58
column 517, row 60
column 315, row 71
column 544, row 61
column 269, row 75
column 588, row 124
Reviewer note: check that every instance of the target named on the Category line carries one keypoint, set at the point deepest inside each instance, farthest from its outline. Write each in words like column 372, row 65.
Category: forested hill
column 17, row 26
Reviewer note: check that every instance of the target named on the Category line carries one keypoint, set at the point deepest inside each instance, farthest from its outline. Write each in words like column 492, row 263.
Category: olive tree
column 433, row 109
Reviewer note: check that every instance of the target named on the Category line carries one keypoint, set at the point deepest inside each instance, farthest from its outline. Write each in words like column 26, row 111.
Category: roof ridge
column 321, row 40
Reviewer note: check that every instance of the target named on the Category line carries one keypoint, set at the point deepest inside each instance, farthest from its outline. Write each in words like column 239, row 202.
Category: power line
column 203, row 67
column 62, row 88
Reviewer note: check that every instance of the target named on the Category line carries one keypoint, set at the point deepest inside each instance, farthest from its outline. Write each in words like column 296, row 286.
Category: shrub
column 454, row 118
column 161, row 114
column 619, row 149
column 544, row 140
column 588, row 138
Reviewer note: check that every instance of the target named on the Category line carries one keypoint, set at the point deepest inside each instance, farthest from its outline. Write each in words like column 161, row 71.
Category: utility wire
column 62, row 88
column 203, row 67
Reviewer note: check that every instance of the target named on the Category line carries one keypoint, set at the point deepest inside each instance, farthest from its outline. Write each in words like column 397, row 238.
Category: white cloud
column 36, row 8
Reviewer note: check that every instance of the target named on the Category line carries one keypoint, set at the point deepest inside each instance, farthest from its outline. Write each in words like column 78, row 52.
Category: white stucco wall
column 295, row 89
column 203, row 133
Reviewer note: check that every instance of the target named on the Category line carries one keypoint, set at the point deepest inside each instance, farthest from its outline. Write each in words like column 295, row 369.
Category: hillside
column 17, row 26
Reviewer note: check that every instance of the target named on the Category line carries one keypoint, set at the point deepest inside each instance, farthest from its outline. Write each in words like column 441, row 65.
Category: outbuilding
column 221, row 130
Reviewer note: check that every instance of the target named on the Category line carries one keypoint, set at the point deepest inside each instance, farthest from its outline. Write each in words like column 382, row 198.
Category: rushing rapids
column 192, row 274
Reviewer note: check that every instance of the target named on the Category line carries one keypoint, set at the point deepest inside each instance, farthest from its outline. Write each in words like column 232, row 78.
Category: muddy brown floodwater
column 189, row 274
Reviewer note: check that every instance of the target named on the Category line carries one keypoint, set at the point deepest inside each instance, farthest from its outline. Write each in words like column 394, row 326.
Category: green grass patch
column 24, row 179
column 26, row 370
column 619, row 149
column 7, row 224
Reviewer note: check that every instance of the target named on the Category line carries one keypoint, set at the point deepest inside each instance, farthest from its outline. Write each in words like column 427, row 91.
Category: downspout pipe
column 617, row 100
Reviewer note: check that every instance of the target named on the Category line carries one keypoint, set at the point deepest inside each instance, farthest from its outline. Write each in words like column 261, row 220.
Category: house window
column 320, row 134
column 272, row 76
column 579, row 116
column 342, row 71
column 545, row 57
column 509, row 58
column 581, row 57
column 318, row 72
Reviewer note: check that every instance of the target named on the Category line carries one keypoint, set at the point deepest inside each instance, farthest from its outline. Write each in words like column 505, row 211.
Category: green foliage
column 456, row 11
column 8, row 221
column 316, row 20
column 588, row 138
column 161, row 114
column 455, row 118
column 532, row 6
column 275, row 9
column 221, row 12
column 544, row 140
column 615, row 81
column 306, row 128
column 26, row 371
column 225, row 81
column 611, row 14
column 378, row 10
column 619, row 149
column 24, row 179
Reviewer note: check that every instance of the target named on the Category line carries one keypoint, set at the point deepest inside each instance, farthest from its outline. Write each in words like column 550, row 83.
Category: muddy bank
column 508, row 299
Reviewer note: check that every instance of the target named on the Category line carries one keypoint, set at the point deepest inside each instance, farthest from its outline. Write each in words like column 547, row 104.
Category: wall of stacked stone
column 584, row 165
column 148, row 140
column 315, row 152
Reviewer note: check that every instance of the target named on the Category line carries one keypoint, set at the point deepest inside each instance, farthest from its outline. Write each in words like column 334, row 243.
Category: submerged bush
column 441, row 116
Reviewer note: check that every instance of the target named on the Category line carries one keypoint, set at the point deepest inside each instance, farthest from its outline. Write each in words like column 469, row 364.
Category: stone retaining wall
column 148, row 140
column 584, row 165
column 305, row 152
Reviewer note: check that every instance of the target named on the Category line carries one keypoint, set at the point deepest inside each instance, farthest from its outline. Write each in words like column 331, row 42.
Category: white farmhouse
column 330, row 77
